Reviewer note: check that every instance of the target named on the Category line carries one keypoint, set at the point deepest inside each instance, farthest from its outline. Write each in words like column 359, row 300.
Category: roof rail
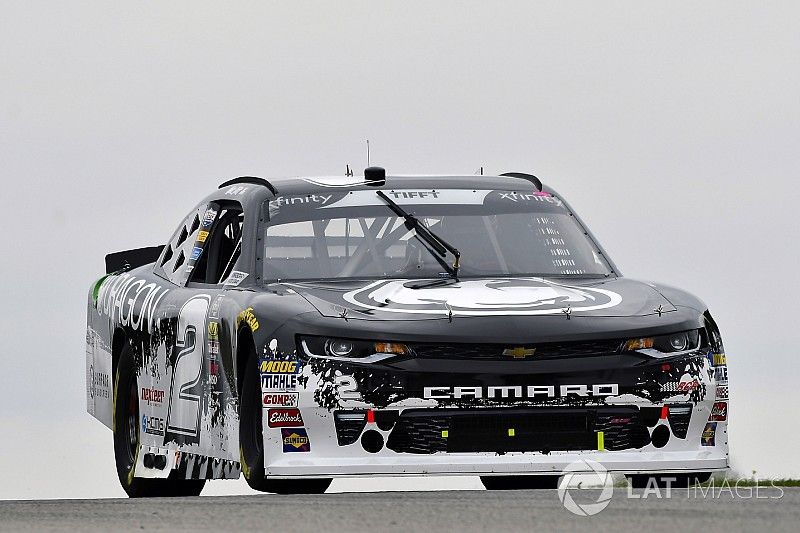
column 253, row 180
column 530, row 177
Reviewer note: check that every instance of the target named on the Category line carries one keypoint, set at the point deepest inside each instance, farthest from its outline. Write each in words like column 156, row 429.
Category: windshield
column 354, row 234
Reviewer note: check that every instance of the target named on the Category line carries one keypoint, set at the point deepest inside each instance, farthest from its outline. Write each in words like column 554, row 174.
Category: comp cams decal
column 520, row 296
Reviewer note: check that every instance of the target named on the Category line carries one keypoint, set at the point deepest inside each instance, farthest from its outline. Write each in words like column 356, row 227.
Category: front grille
column 495, row 351
column 516, row 430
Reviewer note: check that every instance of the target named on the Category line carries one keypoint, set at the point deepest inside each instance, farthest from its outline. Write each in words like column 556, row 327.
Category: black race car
column 304, row 329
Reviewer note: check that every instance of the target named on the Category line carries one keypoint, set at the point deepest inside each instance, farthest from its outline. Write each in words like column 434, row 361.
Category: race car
column 304, row 329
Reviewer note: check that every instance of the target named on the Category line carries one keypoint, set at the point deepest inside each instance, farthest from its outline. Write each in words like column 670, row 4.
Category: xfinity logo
column 511, row 391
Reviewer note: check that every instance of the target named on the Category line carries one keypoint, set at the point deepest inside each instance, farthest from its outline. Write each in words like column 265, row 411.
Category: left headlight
column 665, row 344
column 336, row 348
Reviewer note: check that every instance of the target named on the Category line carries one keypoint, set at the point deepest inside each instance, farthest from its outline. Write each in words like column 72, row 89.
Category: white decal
column 512, row 296
column 235, row 278
column 183, row 416
column 413, row 196
column 347, row 388
column 129, row 300
column 531, row 391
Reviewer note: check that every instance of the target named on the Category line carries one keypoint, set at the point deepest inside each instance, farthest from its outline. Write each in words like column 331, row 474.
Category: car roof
column 323, row 184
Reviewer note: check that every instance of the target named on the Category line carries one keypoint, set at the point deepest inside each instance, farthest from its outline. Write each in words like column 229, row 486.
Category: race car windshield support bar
column 439, row 245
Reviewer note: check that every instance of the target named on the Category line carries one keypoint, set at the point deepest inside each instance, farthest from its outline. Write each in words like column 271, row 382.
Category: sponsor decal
column 280, row 375
column 214, row 310
column 213, row 348
column 235, row 190
column 153, row 425
column 235, row 279
column 152, row 396
column 688, row 386
column 196, row 253
column 719, row 412
column 319, row 199
column 721, row 374
column 249, row 318
column 208, row 217
column 499, row 297
column 709, row 434
column 280, row 418
column 722, row 392
column 213, row 373
column 280, row 399
column 295, row 440
column 281, row 367
column 416, row 195
column 719, row 359
column 519, row 352
column 531, row 391
column 100, row 384
column 518, row 197
column 130, row 301
column 202, row 236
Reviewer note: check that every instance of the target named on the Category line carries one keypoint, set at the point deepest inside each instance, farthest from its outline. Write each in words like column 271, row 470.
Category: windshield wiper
column 439, row 245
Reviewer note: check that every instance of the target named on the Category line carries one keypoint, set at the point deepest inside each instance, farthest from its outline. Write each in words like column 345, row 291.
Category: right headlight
column 666, row 344
column 351, row 349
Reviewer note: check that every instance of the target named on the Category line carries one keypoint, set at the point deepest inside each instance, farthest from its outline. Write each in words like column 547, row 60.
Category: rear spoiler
column 129, row 259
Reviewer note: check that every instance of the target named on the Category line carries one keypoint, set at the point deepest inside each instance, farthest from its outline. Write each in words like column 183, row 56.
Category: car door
column 199, row 398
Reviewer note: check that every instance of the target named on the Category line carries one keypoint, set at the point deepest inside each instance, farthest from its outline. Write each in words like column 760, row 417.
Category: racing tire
column 126, row 439
column 675, row 481
column 251, row 441
column 520, row 482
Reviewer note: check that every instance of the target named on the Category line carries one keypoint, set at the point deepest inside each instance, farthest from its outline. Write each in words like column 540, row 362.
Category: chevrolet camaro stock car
column 297, row 330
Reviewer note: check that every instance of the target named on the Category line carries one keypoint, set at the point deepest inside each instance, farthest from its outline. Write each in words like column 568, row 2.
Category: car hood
column 397, row 299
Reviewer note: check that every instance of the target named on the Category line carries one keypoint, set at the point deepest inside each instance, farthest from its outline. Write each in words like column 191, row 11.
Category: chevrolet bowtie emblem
column 519, row 352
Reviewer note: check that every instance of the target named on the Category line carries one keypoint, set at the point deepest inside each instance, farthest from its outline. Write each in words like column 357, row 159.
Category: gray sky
column 672, row 128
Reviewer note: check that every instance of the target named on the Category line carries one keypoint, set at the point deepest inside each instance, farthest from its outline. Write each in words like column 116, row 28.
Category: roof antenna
column 348, row 172
column 479, row 171
column 367, row 152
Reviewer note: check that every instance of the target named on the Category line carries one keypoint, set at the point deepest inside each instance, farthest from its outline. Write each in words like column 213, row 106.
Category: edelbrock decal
column 513, row 296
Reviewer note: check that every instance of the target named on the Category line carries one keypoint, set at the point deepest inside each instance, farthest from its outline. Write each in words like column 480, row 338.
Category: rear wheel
column 675, row 481
column 251, row 440
column 519, row 482
column 126, row 439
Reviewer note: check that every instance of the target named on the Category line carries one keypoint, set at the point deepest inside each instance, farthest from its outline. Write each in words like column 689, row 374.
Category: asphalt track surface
column 499, row 511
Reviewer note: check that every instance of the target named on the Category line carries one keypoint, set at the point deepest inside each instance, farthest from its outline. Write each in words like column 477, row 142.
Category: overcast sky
column 672, row 128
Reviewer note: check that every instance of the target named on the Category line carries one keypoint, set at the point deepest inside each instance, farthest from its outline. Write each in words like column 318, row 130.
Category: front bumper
column 407, row 419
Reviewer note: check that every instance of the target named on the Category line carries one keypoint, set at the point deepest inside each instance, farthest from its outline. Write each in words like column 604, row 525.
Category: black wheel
column 519, row 482
column 675, row 481
column 251, row 441
column 126, row 439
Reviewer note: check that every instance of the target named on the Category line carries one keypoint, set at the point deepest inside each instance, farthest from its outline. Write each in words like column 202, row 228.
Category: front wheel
column 519, row 482
column 126, row 439
column 251, row 441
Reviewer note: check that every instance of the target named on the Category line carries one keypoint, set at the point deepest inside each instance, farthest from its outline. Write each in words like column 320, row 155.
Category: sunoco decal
column 520, row 296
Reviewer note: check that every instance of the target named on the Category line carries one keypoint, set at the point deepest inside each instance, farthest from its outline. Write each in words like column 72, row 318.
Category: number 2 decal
column 183, row 415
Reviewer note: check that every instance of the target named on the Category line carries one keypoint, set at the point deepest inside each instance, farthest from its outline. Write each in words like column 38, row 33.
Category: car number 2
column 183, row 416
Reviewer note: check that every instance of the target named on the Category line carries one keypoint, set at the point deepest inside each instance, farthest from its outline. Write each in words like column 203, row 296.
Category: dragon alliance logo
column 513, row 296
